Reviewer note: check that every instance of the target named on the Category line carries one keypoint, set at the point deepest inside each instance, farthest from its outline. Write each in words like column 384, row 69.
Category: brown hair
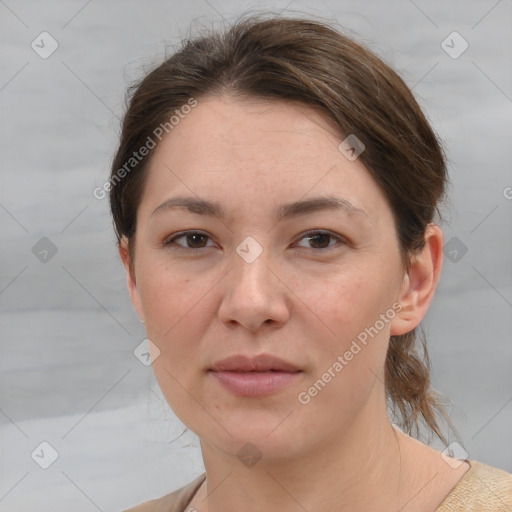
column 309, row 61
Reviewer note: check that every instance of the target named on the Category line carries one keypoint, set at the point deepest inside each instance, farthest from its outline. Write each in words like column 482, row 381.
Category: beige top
column 483, row 488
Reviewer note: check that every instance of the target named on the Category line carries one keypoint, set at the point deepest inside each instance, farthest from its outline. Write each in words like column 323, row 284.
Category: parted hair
column 311, row 61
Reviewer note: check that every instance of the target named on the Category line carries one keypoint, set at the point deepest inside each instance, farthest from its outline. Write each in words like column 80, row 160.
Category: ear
column 130, row 277
column 419, row 283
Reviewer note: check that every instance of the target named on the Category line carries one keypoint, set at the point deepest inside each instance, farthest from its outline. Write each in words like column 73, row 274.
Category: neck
column 348, row 472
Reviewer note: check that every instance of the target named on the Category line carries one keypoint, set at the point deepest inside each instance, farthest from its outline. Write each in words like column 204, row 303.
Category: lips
column 257, row 376
column 261, row 363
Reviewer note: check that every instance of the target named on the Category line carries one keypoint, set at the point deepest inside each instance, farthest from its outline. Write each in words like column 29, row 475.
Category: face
column 267, row 271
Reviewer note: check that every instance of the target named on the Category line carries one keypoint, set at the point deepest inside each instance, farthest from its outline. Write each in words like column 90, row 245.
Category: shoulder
column 176, row 501
column 483, row 488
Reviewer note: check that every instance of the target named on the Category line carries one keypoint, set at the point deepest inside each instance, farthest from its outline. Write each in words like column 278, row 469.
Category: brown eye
column 193, row 239
column 320, row 239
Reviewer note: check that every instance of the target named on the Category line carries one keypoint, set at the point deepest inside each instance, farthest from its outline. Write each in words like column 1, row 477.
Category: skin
column 297, row 300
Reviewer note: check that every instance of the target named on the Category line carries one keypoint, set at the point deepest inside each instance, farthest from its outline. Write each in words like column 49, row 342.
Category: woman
column 273, row 196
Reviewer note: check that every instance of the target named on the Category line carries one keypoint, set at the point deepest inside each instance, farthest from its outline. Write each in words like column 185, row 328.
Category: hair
column 310, row 61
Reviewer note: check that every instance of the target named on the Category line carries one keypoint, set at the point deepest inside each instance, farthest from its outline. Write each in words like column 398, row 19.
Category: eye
column 195, row 238
column 320, row 238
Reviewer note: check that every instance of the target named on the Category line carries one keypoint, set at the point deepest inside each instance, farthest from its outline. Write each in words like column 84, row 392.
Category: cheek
column 168, row 297
column 174, row 311
column 169, row 302
column 347, row 302
column 351, row 309
column 349, row 361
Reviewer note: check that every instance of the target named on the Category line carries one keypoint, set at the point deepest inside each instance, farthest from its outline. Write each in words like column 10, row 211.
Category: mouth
column 260, row 363
column 258, row 376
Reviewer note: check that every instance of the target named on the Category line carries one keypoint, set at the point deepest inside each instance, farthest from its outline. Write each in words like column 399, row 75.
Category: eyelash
column 311, row 233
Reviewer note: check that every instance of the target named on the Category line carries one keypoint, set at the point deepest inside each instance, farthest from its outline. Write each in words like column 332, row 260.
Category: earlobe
column 131, row 283
column 419, row 283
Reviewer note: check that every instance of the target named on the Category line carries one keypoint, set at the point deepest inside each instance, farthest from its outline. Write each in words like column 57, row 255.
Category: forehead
column 253, row 149
column 224, row 127
column 227, row 128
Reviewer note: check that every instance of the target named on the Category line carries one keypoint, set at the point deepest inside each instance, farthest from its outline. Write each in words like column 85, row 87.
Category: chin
column 274, row 434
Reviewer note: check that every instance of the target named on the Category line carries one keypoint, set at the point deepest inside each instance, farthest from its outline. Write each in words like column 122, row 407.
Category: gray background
column 68, row 375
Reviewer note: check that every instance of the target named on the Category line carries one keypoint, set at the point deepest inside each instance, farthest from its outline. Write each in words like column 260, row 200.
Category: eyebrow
column 287, row 210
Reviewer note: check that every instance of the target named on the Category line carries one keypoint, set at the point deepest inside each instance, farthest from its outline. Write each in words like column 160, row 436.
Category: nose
column 254, row 293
